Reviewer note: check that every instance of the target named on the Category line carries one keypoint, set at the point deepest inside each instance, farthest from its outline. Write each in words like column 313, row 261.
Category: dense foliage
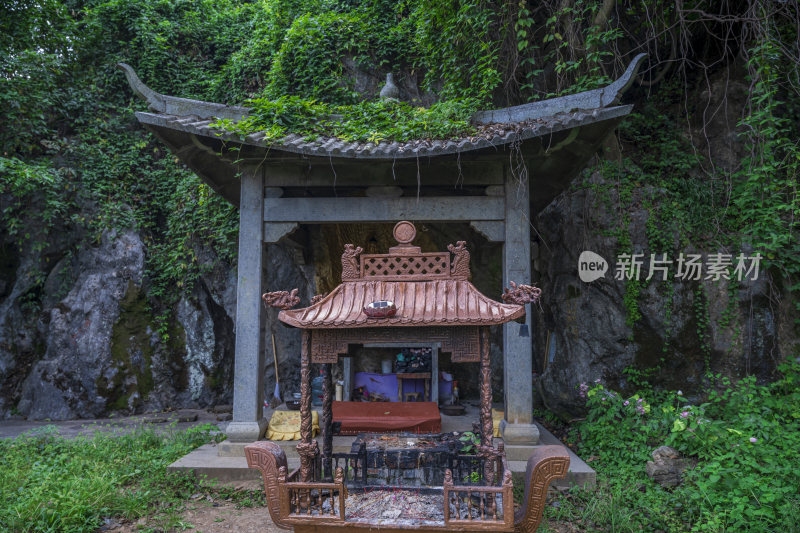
column 52, row 483
column 744, row 437
column 69, row 122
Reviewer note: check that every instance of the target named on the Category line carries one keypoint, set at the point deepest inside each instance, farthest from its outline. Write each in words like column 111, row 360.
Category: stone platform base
column 226, row 464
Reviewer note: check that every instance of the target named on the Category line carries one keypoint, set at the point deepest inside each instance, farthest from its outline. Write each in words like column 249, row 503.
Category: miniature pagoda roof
column 419, row 303
column 428, row 289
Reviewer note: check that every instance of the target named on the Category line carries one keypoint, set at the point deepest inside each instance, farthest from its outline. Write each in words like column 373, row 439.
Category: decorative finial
column 404, row 232
column 460, row 266
column 350, row 268
column 155, row 101
column 318, row 298
column 390, row 90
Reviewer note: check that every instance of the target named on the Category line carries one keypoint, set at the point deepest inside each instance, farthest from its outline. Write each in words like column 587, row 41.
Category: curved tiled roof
column 495, row 127
column 444, row 302
column 488, row 136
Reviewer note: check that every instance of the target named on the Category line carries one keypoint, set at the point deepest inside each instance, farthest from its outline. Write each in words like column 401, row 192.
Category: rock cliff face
column 67, row 348
column 686, row 328
column 87, row 344
column 68, row 380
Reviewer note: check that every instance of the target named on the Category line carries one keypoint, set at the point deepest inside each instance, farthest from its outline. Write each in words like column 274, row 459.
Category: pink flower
column 625, row 403
column 582, row 389
column 753, row 440
column 597, row 380
column 685, row 414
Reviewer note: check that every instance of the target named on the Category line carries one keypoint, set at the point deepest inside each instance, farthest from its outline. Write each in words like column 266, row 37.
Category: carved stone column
column 248, row 423
column 518, row 426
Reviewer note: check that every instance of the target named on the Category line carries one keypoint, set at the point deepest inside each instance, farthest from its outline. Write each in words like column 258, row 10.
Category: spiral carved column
column 307, row 449
column 486, row 406
column 327, row 419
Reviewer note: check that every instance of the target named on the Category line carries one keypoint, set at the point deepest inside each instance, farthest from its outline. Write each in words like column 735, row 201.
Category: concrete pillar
column 518, row 426
column 248, row 423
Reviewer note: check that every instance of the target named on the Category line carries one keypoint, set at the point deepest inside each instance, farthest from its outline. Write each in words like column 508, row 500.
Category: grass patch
column 51, row 483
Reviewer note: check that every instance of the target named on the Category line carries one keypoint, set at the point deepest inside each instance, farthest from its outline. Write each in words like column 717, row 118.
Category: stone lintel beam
column 400, row 173
column 384, row 192
column 354, row 209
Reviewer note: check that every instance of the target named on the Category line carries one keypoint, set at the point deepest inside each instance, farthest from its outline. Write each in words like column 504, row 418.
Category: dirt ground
column 211, row 517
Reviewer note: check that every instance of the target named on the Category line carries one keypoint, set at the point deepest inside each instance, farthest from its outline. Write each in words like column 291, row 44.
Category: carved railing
column 352, row 465
column 470, row 469
column 489, row 508
column 414, row 267
column 467, row 469
column 546, row 464
column 302, row 502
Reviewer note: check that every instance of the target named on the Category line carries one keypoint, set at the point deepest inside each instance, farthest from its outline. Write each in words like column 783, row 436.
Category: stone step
column 236, row 449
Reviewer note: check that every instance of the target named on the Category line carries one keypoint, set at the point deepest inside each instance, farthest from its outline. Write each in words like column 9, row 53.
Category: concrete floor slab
column 225, row 462
column 232, row 467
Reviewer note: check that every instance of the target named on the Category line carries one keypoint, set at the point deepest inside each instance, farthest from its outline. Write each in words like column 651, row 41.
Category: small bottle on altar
column 339, row 391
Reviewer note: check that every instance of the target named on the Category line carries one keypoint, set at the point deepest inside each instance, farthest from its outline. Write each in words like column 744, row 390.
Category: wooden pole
column 486, row 405
column 307, row 450
column 327, row 419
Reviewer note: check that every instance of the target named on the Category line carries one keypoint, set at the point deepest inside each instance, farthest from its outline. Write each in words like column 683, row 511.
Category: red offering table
column 387, row 417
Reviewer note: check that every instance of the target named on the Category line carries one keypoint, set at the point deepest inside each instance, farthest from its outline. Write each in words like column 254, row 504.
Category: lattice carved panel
column 427, row 266
column 462, row 342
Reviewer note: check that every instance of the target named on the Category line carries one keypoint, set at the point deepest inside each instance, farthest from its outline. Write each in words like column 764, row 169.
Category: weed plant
column 52, row 483
column 744, row 437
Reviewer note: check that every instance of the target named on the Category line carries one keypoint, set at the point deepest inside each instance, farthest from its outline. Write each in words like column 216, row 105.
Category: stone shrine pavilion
column 521, row 159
